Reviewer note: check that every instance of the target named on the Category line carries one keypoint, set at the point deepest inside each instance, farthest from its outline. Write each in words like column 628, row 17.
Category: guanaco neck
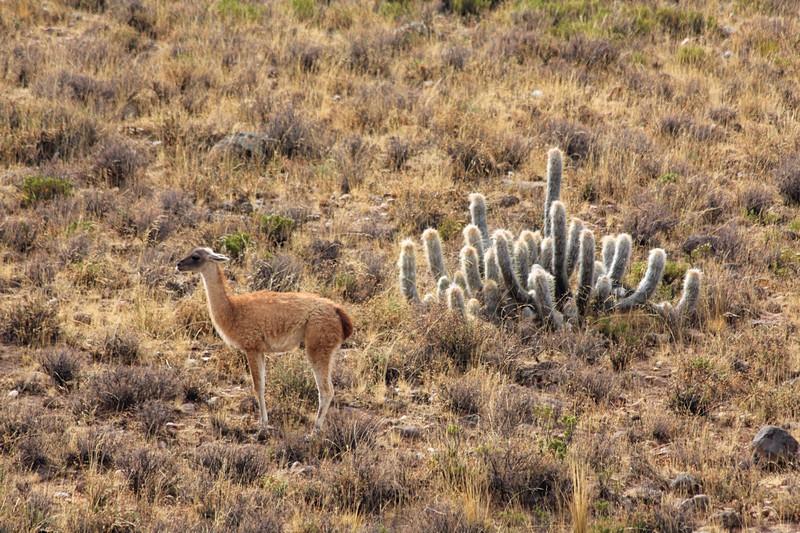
column 219, row 302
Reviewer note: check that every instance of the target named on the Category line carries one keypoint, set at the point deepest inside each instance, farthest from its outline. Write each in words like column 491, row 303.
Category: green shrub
column 277, row 228
column 235, row 244
column 240, row 10
column 43, row 188
column 690, row 54
column 304, row 9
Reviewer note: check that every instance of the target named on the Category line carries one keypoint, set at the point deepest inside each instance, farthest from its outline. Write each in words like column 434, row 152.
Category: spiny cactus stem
column 573, row 245
column 586, row 265
column 470, row 264
column 622, row 256
column 455, row 300
column 608, row 245
column 433, row 253
column 408, row 271
column 558, row 218
column 477, row 211
column 647, row 286
column 501, row 247
column 554, row 171
column 687, row 305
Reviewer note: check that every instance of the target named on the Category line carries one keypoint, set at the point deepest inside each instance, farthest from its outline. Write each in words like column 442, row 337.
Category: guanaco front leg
column 257, row 364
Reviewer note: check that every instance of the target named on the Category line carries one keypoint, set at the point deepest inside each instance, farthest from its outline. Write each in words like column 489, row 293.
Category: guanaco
column 267, row 322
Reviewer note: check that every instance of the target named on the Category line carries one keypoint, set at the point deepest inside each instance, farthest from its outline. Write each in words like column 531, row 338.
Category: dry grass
column 372, row 121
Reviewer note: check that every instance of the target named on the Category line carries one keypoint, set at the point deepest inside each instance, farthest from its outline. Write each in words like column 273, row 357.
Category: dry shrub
column 124, row 388
column 512, row 407
column 464, row 395
column 192, row 315
column 594, row 53
column 281, row 273
column 117, row 163
column 40, row 270
column 153, row 417
column 519, row 473
column 19, row 234
column 366, row 482
column 92, row 447
column 84, row 89
column 442, row 339
column 238, row 509
column 45, row 135
column 63, row 365
column 757, row 200
column 348, row 430
column 788, row 178
column 244, row 464
column 368, row 54
column 120, row 347
column 151, row 473
column 398, row 151
column 577, row 140
column 32, row 453
column 30, row 321
column 647, row 220
column 471, row 160
column 442, row 518
column 292, row 135
column 455, row 57
column 699, row 387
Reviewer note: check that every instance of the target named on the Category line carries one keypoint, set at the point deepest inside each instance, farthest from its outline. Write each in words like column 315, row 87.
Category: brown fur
column 265, row 321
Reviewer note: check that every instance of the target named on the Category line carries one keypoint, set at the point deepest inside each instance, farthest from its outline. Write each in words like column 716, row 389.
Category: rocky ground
column 306, row 140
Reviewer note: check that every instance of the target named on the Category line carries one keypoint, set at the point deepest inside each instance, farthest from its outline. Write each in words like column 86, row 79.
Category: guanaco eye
column 195, row 258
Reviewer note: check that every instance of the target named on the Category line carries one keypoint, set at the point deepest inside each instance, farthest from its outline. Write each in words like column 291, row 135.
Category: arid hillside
column 306, row 139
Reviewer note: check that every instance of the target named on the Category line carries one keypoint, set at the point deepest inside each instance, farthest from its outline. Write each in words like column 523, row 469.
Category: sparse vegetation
column 306, row 139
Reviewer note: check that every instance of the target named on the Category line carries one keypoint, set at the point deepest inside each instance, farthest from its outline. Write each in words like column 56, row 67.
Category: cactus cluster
column 531, row 277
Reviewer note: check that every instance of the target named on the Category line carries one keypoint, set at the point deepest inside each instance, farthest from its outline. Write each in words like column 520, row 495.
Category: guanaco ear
column 219, row 258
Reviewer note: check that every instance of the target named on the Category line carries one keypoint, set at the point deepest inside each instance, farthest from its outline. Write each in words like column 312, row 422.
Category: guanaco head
column 199, row 259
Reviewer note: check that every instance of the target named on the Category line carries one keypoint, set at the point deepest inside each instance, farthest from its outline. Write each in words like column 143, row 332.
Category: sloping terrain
column 306, row 139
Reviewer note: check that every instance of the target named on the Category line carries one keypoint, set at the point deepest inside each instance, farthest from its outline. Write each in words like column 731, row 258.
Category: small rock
column 695, row 503
column 740, row 366
column 13, row 394
column 471, row 420
column 727, row 54
column 61, row 494
column 188, row 408
column 729, row 518
column 213, row 401
column 537, row 93
column 82, row 318
column 685, row 484
column 727, row 31
column 694, row 242
column 299, row 469
column 410, row 432
column 774, row 445
column 508, row 200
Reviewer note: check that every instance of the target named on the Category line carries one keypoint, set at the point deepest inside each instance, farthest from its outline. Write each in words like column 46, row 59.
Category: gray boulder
column 685, row 484
column 774, row 445
column 695, row 503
